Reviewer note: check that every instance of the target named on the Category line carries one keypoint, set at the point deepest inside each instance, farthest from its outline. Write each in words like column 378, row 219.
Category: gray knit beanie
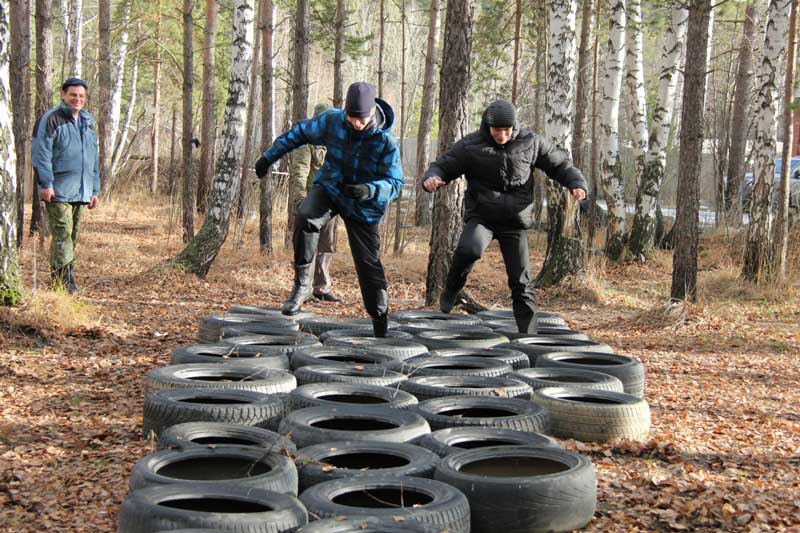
column 501, row 114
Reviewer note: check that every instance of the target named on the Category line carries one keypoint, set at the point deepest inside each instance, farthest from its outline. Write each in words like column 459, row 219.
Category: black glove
column 359, row 191
column 262, row 167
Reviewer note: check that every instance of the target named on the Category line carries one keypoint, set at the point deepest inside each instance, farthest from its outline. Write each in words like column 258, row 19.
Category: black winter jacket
column 499, row 177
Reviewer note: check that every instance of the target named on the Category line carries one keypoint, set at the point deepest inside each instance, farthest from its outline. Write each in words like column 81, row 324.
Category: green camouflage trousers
column 65, row 222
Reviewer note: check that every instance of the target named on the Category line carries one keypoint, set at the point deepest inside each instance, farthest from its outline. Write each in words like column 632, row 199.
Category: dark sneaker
column 380, row 326
column 447, row 301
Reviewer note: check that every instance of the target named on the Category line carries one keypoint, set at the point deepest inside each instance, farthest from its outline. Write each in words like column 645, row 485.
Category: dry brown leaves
column 724, row 451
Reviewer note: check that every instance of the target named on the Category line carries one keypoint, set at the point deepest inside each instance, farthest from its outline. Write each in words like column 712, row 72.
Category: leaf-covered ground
column 722, row 375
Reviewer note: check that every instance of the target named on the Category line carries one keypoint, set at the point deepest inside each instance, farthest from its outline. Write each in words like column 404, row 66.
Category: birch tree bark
column 119, row 76
column 448, row 203
column 338, row 54
column 119, row 147
column 758, row 262
column 248, row 173
column 10, row 283
column 684, row 258
column 206, row 170
column 564, row 244
column 582, row 82
column 422, row 208
column 739, row 122
column 104, row 82
column 44, row 96
column 154, row 139
column 20, row 86
column 186, row 138
column 75, row 29
column 267, row 123
column 610, row 163
column 199, row 254
column 634, row 80
column 642, row 238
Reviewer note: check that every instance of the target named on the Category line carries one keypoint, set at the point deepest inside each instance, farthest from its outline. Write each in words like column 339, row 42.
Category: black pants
column 514, row 246
column 365, row 245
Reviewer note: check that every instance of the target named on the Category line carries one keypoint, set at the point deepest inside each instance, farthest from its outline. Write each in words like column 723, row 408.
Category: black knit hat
column 501, row 114
column 360, row 100
column 73, row 82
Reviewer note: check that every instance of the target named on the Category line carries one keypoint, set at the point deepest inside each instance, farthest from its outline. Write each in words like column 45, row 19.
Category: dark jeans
column 365, row 245
column 514, row 246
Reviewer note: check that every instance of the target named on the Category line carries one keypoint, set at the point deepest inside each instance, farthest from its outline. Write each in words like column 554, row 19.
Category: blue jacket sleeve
column 389, row 181
column 42, row 153
column 96, row 185
column 311, row 131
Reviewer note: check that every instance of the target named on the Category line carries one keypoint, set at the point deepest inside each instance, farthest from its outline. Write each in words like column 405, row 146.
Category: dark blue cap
column 360, row 100
column 73, row 82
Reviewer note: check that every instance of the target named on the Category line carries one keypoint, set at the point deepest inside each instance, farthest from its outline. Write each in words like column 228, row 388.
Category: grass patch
column 53, row 311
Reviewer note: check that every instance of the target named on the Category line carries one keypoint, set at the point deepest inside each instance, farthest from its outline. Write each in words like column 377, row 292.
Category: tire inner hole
column 213, row 468
column 383, row 498
column 353, row 424
column 365, row 461
column 216, row 505
column 476, row 412
column 514, row 467
column 352, row 398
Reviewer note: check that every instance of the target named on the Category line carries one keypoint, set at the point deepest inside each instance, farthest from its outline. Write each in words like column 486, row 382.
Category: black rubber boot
column 72, row 285
column 301, row 291
column 447, row 300
column 379, row 326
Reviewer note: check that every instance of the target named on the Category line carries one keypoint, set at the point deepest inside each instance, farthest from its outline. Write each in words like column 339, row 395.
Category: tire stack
column 438, row 427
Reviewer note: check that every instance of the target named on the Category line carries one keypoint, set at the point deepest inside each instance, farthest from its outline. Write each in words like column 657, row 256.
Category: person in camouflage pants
column 304, row 163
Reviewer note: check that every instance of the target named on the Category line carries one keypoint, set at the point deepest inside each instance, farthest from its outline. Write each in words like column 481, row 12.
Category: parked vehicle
column 794, row 184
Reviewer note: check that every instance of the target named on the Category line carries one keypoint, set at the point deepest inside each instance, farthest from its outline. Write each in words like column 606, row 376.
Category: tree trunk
column 448, row 204
column 759, row 245
column 381, row 43
column 642, row 238
column 248, row 173
column 267, row 123
column 300, row 74
column 338, row 54
column 610, row 164
column 119, row 76
column 119, row 147
column 782, row 218
column 206, row 170
column 634, row 79
column 579, row 136
column 157, row 93
column 595, row 149
column 75, row 49
column 398, row 217
column 44, row 97
column 104, row 82
column 564, row 254
column 201, row 251
column 517, row 46
column 10, row 283
column 422, row 211
column 173, row 163
column 20, row 78
column 186, row 139
column 739, row 122
column 686, row 228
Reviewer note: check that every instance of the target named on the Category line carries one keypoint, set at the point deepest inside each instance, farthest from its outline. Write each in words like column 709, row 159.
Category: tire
column 368, row 524
column 444, row 442
column 628, row 370
column 205, row 434
column 274, row 312
column 239, row 376
column 594, row 415
column 354, row 394
column 319, row 325
column 166, row 408
column 542, row 377
column 256, row 328
column 205, row 467
column 417, row 326
column 399, row 349
column 511, row 324
column 422, row 499
column 443, row 339
column 212, row 327
column 507, row 413
column 558, row 335
column 536, row 346
column 519, row 489
column 269, row 344
column 343, row 459
column 454, row 366
column 317, row 425
column 429, row 387
column 368, row 375
column 364, row 333
column 515, row 358
column 230, row 508
column 453, row 319
column 505, row 314
column 222, row 353
column 341, row 356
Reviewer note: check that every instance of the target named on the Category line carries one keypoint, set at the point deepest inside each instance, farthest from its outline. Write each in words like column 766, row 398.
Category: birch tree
column 205, row 172
column 154, row 138
column 758, row 248
column 267, row 123
column 642, row 238
column 422, row 210
column 634, row 80
column 186, row 138
column 610, row 163
column 10, row 283
column 75, row 42
column 448, row 201
column 201, row 251
column 739, row 122
column 684, row 258
column 564, row 254
column 20, row 83
column 118, row 68
column 130, row 107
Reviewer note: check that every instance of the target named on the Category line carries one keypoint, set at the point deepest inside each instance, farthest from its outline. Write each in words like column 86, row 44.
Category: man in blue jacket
column 360, row 176
column 67, row 169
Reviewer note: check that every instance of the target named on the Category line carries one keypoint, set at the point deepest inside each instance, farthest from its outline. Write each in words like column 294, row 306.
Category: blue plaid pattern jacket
column 370, row 156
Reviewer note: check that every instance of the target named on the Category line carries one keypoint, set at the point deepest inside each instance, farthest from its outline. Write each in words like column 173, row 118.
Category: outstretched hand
column 578, row 194
column 262, row 167
column 433, row 183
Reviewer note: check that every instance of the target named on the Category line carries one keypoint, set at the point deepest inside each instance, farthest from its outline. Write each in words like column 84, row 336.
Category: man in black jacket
column 498, row 162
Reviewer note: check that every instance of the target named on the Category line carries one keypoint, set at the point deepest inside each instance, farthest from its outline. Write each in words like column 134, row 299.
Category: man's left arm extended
column 389, row 182
column 304, row 132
